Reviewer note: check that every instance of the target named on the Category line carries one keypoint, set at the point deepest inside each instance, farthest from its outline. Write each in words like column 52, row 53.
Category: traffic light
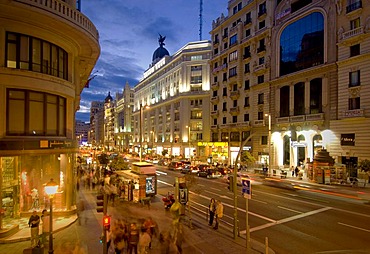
column 100, row 203
column 106, row 221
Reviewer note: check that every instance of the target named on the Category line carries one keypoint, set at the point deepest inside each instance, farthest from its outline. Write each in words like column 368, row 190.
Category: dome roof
column 108, row 98
column 159, row 53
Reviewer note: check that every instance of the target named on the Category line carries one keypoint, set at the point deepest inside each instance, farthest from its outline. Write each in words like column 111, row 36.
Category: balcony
column 234, row 94
column 352, row 33
column 215, row 86
column 315, row 117
column 214, row 113
column 261, row 49
column 213, row 127
column 260, row 67
column 259, row 123
column 234, row 110
column 247, row 22
column 243, row 124
column 220, row 68
column 247, row 55
column 282, row 119
column 300, row 118
column 215, row 99
column 353, row 113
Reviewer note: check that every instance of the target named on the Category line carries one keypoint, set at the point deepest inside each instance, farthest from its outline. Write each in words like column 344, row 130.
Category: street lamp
column 50, row 189
column 269, row 142
column 141, row 130
column 188, row 127
column 152, row 132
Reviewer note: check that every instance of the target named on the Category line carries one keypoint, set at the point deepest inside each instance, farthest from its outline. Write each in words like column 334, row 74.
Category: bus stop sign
column 246, row 188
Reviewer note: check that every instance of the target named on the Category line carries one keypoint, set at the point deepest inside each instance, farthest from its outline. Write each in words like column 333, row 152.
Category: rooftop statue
column 161, row 40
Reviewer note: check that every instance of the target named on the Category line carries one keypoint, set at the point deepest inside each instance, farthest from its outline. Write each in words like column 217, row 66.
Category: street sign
column 246, row 188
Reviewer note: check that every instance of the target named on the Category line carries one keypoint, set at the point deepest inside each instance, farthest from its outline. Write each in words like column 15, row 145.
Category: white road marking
column 288, row 209
column 165, row 183
column 350, row 226
column 161, row 173
column 215, row 189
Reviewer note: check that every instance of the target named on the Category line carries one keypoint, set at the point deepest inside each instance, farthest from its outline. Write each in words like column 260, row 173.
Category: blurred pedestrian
column 34, row 223
column 144, row 241
column 179, row 237
column 292, row 169
column 152, row 228
column 45, row 218
column 219, row 213
column 133, row 238
column 165, row 242
column 296, row 170
column 81, row 211
column 212, row 210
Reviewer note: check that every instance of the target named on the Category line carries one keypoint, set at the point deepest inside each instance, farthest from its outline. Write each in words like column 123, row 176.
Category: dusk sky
column 129, row 31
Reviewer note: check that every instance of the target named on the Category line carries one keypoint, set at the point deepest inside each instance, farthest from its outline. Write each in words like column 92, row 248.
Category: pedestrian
column 45, row 218
column 212, row 210
column 296, row 170
column 144, row 241
column 34, row 223
column 151, row 226
column 219, row 213
column 133, row 238
column 179, row 237
column 165, row 242
column 81, row 211
column 292, row 169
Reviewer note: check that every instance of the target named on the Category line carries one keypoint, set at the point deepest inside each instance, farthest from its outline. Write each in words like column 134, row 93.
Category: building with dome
column 173, row 102
column 49, row 49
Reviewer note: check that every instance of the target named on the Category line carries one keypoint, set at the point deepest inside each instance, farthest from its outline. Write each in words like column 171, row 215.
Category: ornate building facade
column 48, row 50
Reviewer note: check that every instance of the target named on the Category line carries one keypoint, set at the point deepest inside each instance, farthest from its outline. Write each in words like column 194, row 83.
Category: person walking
column 81, row 211
column 292, row 169
column 34, row 223
column 212, row 210
column 219, row 213
column 45, row 218
column 133, row 238
column 144, row 241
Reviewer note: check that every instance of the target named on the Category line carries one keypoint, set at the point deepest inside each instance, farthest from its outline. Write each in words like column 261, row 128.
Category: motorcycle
column 168, row 200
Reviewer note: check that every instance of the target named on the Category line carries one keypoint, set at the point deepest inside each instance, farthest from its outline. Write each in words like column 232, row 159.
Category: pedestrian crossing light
column 100, row 203
column 106, row 221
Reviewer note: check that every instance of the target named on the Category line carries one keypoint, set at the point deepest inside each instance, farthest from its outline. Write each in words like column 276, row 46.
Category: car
column 209, row 172
column 175, row 166
column 187, row 169
column 163, row 162
column 240, row 176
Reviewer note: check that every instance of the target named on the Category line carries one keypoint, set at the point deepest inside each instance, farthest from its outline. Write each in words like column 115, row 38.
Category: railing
column 314, row 117
column 353, row 32
column 353, row 113
column 67, row 12
column 300, row 118
column 258, row 122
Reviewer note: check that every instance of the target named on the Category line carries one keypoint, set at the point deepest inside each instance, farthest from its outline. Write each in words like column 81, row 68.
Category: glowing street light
column 141, row 129
column 50, row 189
column 269, row 142
column 188, row 127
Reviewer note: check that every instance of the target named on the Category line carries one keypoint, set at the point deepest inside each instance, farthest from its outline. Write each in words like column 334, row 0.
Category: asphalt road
column 305, row 220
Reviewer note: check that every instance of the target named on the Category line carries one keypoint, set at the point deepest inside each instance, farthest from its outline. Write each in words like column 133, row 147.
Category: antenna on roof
column 200, row 19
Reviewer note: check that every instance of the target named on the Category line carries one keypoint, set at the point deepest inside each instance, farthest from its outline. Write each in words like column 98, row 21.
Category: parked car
column 163, row 162
column 175, row 166
column 187, row 169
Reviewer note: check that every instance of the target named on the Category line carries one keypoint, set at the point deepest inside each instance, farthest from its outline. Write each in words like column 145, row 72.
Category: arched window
column 302, row 44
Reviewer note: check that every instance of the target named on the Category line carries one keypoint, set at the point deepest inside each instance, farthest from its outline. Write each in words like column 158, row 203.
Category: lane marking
column 288, row 209
column 165, row 183
column 350, row 226
column 161, row 173
column 215, row 189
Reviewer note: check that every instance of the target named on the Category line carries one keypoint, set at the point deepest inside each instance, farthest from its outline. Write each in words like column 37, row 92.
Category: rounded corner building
column 48, row 50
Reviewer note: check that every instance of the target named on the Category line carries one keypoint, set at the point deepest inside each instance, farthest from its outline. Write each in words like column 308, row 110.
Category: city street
column 309, row 218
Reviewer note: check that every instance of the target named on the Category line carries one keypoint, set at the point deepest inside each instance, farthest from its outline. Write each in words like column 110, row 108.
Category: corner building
column 47, row 52
column 299, row 65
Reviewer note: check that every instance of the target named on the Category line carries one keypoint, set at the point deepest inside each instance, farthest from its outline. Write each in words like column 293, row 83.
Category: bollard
column 266, row 245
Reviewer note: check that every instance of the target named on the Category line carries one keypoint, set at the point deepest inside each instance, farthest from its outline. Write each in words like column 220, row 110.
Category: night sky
column 129, row 31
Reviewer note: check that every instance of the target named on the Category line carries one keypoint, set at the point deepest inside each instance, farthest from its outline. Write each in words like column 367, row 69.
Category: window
column 261, row 24
column 246, row 117
column 245, row 135
column 261, row 60
column 29, row 53
column 196, row 68
column 354, row 103
column 284, row 101
column 235, row 87
column 233, row 40
column 31, row 113
column 260, row 98
column 248, row 18
column 260, row 79
column 261, row 46
column 224, row 76
column 235, row 119
column 246, row 85
column 214, row 93
column 224, row 106
column 215, row 121
column 353, row 5
column 260, row 115
column 224, row 120
column 247, row 52
column 215, row 107
column 232, row 72
column 355, row 23
column 246, row 102
column 262, row 9
column 302, row 44
column 247, row 33
column 196, row 58
column 224, row 136
column 354, row 78
column 224, row 91
column 316, row 96
column 226, row 33
column 299, row 99
column 196, row 79
column 247, row 68
column 264, row 140
column 235, row 103
column 233, row 56
column 354, row 50
column 215, row 51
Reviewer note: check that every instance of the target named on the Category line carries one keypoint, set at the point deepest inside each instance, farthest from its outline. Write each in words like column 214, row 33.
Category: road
column 303, row 220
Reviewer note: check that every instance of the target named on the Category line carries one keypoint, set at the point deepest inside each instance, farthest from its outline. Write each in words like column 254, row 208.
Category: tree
column 119, row 163
column 364, row 165
column 247, row 158
column 103, row 159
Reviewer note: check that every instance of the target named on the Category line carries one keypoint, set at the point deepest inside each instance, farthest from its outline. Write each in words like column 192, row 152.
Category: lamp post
column 269, row 142
column 141, row 130
column 50, row 189
column 188, row 127
column 152, row 132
